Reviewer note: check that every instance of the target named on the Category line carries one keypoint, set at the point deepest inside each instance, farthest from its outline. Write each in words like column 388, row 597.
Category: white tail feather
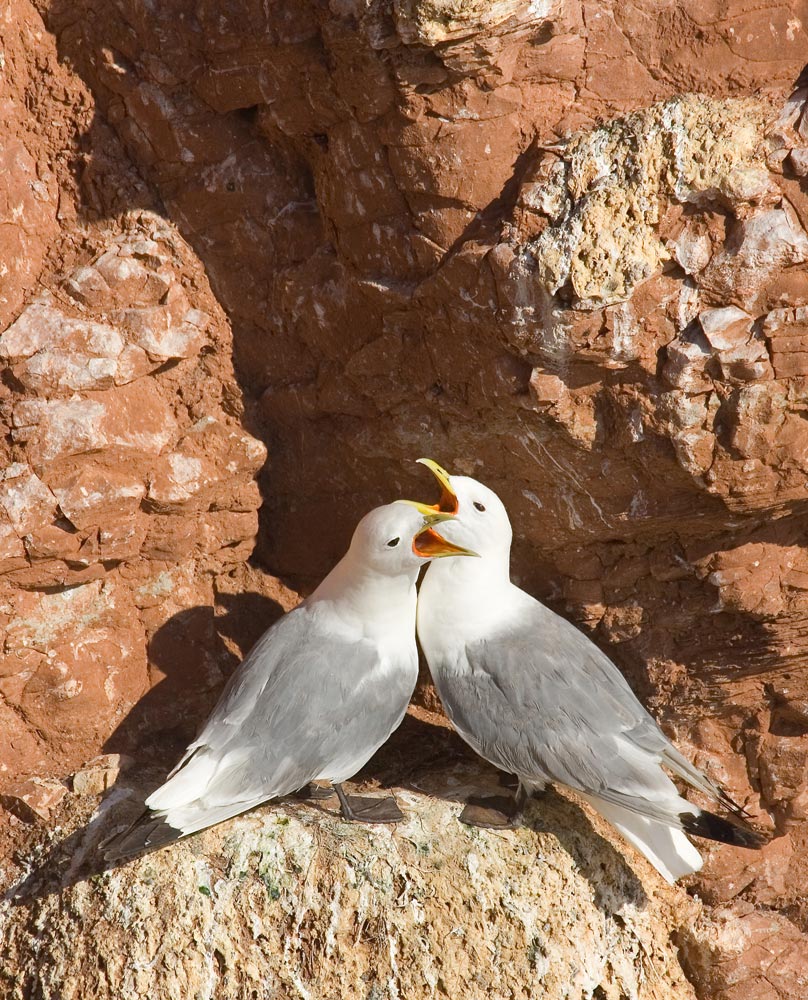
column 213, row 787
column 186, row 784
column 666, row 847
column 203, row 773
column 196, row 817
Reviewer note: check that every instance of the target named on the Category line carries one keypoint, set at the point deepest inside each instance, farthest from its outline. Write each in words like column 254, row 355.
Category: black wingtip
column 802, row 79
column 147, row 833
column 734, row 807
column 712, row 827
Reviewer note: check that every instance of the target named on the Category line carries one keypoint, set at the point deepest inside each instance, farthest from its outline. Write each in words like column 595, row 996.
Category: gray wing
column 299, row 701
column 540, row 700
column 304, row 704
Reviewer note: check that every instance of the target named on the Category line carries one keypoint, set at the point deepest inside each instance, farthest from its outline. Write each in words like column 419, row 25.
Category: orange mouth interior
column 447, row 503
column 429, row 544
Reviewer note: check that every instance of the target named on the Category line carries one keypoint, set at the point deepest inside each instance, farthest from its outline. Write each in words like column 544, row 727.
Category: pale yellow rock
column 290, row 901
column 435, row 22
column 99, row 774
column 605, row 192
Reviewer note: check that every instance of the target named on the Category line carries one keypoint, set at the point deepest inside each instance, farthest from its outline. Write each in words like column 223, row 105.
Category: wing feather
column 304, row 704
column 539, row 699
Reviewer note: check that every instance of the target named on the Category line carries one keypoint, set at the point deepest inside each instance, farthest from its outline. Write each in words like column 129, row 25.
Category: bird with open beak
column 534, row 696
column 317, row 695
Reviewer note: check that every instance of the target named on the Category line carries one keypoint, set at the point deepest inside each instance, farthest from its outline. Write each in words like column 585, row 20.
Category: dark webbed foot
column 363, row 809
column 494, row 812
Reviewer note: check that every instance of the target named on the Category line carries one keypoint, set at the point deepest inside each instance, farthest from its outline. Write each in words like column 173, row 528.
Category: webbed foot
column 364, row 809
column 314, row 792
column 493, row 812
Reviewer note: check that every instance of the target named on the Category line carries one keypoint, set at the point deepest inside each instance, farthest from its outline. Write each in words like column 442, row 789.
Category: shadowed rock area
column 559, row 246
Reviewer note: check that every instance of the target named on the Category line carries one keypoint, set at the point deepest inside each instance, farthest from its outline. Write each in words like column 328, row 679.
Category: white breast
column 459, row 605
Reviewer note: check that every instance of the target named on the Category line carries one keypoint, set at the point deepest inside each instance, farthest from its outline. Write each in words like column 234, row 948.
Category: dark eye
column 393, row 542
column 478, row 505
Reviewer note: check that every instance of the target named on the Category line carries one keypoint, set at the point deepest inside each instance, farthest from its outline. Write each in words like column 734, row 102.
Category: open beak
column 448, row 498
column 428, row 544
column 446, row 507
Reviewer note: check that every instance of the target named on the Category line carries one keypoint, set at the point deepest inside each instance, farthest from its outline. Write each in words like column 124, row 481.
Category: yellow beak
column 431, row 514
column 446, row 507
column 428, row 543
column 448, row 497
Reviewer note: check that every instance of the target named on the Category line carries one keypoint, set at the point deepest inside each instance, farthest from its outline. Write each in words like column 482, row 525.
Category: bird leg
column 363, row 809
column 495, row 812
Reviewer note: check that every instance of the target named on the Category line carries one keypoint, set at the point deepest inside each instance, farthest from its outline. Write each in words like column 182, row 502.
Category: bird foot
column 314, row 792
column 493, row 812
column 363, row 809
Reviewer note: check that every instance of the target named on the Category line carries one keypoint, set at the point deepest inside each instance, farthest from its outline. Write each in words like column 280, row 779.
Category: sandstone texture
column 561, row 246
column 129, row 486
column 290, row 901
column 127, row 477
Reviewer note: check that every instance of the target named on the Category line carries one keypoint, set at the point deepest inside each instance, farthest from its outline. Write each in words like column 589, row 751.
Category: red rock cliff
column 558, row 246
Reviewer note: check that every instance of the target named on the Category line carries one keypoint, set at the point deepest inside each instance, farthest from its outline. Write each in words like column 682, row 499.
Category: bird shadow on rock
column 191, row 656
column 613, row 881
column 74, row 858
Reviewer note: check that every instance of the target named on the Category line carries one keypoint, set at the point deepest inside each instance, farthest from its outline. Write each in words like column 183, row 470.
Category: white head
column 480, row 520
column 397, row 539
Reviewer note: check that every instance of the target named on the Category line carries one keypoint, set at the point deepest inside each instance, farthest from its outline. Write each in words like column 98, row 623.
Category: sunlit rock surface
column 290, row 901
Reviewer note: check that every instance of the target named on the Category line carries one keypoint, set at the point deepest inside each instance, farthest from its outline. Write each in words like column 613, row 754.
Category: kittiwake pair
column 317, row 695
column 532, row 695
column 325, row 687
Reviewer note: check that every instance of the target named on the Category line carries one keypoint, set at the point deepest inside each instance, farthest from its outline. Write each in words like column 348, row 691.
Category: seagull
column 316, row 697
column 534, row 696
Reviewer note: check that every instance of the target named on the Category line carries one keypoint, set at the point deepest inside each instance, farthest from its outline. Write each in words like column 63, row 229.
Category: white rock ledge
column 290, row 901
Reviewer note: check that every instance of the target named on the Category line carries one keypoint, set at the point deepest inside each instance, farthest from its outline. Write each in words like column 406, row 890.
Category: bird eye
column 478, row 505
column 393, row 542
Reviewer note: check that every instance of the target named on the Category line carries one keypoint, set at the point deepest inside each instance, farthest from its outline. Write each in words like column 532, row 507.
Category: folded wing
column 540, row 700
column 302, row 705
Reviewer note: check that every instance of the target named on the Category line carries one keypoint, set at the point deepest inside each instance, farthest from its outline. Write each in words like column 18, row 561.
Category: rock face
column 560, row 246
column 292, row 902
column 127, row 489
column 129, row 485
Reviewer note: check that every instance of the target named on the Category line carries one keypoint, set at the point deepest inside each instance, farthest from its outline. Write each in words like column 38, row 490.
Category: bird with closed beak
column 317, row 695
column 534, row 696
